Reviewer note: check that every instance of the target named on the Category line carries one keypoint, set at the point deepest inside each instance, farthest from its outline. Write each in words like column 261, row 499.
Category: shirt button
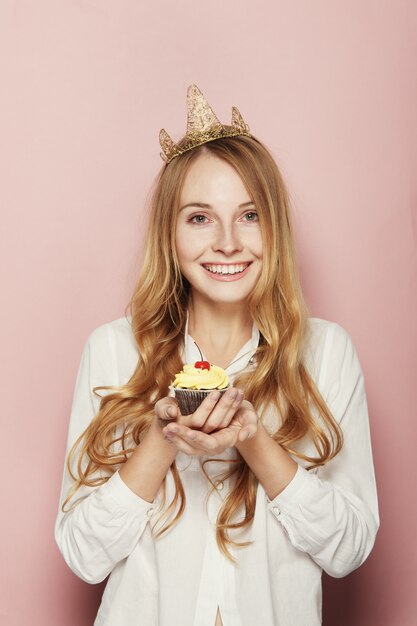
column 276, row 510
column 149, row 512
column 220, row 485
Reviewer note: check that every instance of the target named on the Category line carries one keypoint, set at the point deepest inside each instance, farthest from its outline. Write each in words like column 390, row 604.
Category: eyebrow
column 202, row 205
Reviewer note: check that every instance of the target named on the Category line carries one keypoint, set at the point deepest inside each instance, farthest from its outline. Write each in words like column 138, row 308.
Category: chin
column 224, row 298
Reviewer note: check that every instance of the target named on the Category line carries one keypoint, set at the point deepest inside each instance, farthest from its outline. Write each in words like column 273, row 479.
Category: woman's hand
column 236, row 421
column 216, row 411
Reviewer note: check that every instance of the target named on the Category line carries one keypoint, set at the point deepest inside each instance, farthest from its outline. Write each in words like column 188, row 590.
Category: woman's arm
column 146, row 468
column 107, row 521
column 331, row 513
column 271, row 464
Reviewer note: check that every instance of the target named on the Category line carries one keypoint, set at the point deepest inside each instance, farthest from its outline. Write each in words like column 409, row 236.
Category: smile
column 226, row 269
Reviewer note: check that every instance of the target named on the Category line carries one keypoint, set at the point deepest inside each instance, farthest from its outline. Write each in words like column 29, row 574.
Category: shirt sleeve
column 332, row 513
column 107, row 521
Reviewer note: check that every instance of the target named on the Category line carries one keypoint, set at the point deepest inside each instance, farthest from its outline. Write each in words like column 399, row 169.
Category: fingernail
column 215, row 395
column 232, row 393
column 239, row 396
column 171, row 412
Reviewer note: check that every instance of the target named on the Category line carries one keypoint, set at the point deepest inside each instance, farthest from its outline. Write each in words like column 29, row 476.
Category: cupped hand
column 197, row 442
column 216, row 411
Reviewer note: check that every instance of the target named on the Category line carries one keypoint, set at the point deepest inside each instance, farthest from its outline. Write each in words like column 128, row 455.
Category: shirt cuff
column 127, row 499
column 292, row 494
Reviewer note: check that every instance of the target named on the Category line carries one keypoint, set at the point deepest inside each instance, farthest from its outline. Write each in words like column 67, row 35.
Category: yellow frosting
column 195, row 378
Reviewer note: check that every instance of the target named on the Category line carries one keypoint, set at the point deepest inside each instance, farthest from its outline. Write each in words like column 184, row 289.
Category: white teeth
column 226, row 269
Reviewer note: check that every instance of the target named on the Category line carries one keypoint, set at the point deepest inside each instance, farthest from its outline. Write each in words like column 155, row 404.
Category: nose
column 227, row 240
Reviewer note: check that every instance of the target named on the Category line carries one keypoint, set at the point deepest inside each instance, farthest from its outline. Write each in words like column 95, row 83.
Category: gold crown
column 202, row 126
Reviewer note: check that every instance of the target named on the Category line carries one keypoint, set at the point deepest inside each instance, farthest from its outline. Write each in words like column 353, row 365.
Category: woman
column 230, row 514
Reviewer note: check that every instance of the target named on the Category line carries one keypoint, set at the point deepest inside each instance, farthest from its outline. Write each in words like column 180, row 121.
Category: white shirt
column 325, row 518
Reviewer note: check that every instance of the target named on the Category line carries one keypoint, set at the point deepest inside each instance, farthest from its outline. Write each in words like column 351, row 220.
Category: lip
column 227, row 278
column 234, row 263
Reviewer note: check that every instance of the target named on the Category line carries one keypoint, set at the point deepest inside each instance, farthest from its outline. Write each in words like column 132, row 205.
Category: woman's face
column 218, row 238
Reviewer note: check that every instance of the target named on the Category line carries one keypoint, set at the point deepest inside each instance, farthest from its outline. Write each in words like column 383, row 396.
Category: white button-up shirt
column 325, row 518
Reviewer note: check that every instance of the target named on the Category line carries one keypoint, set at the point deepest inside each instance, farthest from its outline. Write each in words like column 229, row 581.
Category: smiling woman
column 218, row 237
column 228, row 515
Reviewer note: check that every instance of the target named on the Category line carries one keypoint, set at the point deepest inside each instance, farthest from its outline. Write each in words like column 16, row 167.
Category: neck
column 219, row 330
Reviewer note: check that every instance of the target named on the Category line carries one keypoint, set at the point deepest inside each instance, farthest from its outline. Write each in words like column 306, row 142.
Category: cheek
column 254, row 244
column 259, row 247
column 186, row 245
column 180, row 244
column 190, row 244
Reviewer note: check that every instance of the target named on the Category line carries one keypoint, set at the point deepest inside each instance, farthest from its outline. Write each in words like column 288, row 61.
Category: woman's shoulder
column 321, row 331
column 327, row 346
column 118, row 330
column 114, row 343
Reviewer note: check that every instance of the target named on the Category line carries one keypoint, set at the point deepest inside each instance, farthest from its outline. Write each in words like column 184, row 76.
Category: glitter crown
column 202, row 126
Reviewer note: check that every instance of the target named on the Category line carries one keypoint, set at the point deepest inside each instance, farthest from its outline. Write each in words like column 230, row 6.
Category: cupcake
column 195, row 382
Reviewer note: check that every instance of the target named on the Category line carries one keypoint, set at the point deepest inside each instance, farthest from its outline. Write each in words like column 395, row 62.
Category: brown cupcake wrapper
column 190, row 399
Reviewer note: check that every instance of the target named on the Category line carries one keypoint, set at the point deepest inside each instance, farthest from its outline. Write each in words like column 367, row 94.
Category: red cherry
column 202, row 365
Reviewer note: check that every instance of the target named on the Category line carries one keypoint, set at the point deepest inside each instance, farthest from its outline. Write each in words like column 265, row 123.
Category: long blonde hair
column 158, row 309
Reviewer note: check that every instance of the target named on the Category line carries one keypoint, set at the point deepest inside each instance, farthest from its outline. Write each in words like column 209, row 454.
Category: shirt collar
column 237, row 364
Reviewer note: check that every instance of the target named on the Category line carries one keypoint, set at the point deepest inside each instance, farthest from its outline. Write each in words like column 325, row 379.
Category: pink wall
column 85, row 87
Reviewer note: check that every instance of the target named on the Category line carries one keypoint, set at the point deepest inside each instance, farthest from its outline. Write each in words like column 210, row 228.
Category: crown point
column 237, row 120
column 201, row 117
column 193, row 90
column 202, row 126
column 168, row 146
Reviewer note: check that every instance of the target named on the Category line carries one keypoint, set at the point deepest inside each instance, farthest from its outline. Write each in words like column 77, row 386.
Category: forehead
column 212, row 180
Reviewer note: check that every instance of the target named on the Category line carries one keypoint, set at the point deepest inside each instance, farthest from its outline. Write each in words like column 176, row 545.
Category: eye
column 198, row 219
column 251, row 216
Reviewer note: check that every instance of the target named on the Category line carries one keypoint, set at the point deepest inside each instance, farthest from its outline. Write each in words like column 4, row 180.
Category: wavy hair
column 158, row 310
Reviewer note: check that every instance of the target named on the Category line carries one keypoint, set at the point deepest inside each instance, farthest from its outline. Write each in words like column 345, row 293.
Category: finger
column 195, row 438
column 224, row 410
column 166, row 409
column 182, row 446
column 248, row 432
column 227, row 418
column 247, row 406
column 249, row 420
column 213, row 443
column 226, row 438
column 199, row 417
column 247, row 415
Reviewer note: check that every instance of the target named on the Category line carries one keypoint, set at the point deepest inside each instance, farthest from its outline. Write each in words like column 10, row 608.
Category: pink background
column 85, row 87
